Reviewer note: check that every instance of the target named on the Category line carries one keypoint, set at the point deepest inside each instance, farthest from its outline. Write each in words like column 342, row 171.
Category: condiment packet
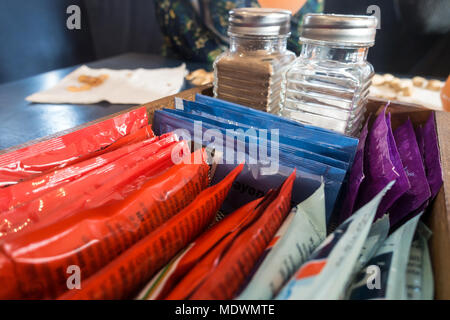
column 126, row 274
column 252, row 183
column 431, row 155
column 306, row 138
column 169, row 121
column 238, row 258
column 383, row 164
column 92, row 238
column 384, row 276
column 200, row 272
column 348, row 144
column 327, row 272
column 302, row 231
column 110, row 182
column 165, row 280
column 333, row 177
column 377, row 235
column 419, row 274
column 419, row 192
column 356, row 177
column 33, row 160
column 31, row 188
column 289, row 143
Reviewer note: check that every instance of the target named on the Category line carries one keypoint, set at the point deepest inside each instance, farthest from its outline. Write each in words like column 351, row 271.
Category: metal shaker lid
column 339, row 29
column 259, row 22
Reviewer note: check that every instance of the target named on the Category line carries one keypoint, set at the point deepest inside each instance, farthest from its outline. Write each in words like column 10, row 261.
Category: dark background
column 414, row 36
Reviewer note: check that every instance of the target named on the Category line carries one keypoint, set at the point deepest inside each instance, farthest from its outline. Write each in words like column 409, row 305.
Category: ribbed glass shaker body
column 328, row 85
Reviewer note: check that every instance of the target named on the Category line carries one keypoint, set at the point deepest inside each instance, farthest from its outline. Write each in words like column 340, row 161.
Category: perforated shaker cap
column 259, row 22
column 339, row 29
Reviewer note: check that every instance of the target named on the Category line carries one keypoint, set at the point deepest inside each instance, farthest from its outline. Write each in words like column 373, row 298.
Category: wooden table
column 22, row 121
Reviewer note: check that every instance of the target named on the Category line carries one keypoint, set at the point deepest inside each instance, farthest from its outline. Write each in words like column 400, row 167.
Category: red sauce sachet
column 17, row 194
column 197, row 250
column 92, row 238
column 237, row 259
column 123, row 276
column 37, row 158
column 113, row 181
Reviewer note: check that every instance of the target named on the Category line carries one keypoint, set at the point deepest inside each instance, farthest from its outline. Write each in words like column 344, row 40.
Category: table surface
column 22, row 121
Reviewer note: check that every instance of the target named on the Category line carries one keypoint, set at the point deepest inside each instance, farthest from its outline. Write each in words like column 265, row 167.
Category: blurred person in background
column 197, row 29
column 414, row 38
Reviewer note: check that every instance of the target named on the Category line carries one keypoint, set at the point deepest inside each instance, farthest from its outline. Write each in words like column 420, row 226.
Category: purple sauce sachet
column 356, row 176
column 402, row 185
column 432, row 156
column 382, row 165
column 411, row 159
column 420, row 143
column 431, row 161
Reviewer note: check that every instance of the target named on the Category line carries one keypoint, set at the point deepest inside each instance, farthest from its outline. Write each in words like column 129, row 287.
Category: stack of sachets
column 218, row 263
column 408, row 156
column 380, row 250
column 138, row 213
column 394, row 262
column 269, row 145
column 111, row 202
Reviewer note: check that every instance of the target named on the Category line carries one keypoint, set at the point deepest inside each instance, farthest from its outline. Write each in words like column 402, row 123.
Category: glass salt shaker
column 250, row 72
column 328, row 85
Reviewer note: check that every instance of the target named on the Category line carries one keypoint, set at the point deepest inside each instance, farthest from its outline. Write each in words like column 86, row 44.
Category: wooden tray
column 438, row 217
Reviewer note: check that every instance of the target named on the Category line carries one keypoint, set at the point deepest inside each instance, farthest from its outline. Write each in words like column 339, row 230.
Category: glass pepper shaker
column 250, row 72
column 328, row 85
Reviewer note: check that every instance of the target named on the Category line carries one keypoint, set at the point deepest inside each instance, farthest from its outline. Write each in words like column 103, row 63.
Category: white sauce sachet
column 302, row 231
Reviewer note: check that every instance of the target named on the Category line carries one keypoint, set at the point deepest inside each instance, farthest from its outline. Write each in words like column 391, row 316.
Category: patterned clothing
column 197, row 29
